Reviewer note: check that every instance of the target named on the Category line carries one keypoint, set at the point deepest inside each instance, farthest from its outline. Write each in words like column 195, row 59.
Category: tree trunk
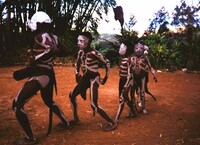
column 190, row 49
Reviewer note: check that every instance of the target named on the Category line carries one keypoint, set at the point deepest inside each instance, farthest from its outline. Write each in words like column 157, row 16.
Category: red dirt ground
column 174, row 119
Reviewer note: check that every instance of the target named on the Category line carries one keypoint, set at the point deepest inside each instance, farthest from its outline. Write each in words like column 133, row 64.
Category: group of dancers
column 133, row 72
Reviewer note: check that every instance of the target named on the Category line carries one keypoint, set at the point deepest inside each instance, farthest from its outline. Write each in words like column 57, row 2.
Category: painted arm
column 107, row 65
column 151, row 69
column 78, row 65
column 44, row 49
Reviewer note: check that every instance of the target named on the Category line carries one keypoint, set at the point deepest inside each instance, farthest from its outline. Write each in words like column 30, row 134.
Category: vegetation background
column 173, row 119
column 168, row 49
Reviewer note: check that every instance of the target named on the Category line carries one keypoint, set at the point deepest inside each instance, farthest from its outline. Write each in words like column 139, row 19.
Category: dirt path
column 173, row 120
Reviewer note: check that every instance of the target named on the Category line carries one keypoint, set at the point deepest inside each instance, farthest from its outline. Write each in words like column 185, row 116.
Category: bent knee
column 50, row 104
column 16, row 105
column 72, row 97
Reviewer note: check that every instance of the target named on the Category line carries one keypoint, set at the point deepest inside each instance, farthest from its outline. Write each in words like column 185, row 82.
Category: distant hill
column 107, row 40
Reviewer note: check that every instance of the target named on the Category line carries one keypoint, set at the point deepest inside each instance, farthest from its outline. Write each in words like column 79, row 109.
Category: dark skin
column 125, row 81
column 141, row 66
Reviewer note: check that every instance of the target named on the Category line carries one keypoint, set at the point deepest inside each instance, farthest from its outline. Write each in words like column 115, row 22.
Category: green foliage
column 109, row 50
column 164, row 52
column 175, row 50
column 70, row 40
column 158, row 51
column 69, row 18
column 187, row 17
column 175, row 57
column 196, row 50
column 167, row 49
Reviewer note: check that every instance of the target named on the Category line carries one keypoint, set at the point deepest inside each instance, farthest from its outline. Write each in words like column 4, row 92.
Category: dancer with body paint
column 141, row 67
column 126, row 80
column 41, row 77
column 88, row 61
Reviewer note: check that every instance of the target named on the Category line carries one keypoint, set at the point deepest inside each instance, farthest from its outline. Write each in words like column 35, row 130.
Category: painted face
column 82, row 42
column 122, row 49
column 139, row 50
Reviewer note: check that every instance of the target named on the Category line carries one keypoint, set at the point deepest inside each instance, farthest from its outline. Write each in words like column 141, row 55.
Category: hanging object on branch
column 119, row 14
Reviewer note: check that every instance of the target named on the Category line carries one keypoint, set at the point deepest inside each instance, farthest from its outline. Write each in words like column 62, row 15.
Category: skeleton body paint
column 141, row 67
column 42, row 77
column 87, row 64
column 126, row 81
